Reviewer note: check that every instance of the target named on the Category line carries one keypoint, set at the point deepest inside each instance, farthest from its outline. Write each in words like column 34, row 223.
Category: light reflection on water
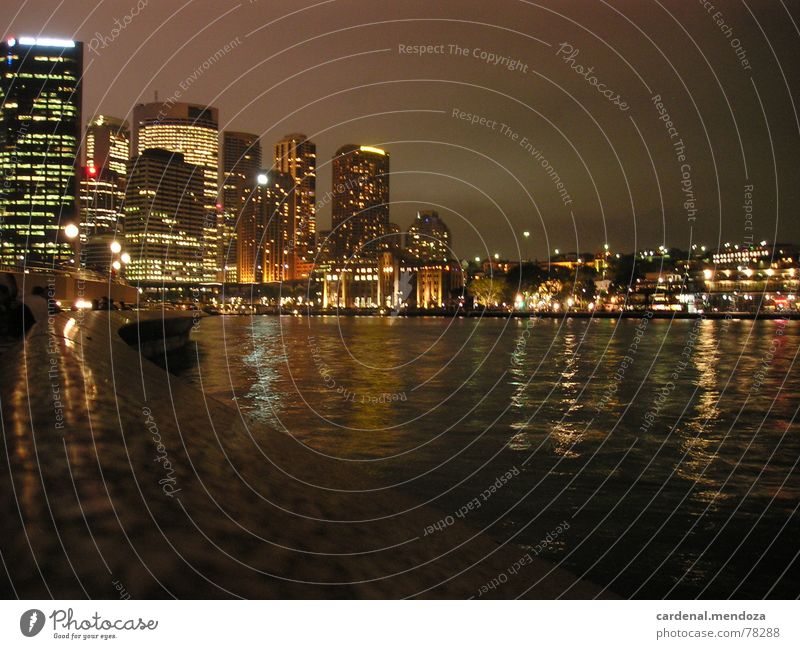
column 676, row 495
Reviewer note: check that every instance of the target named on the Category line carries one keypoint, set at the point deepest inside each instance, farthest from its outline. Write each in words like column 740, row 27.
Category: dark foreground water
column 670, row 449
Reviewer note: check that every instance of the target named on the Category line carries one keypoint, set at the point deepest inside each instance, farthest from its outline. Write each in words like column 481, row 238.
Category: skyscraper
column 108, row 144
column 164, row 217
column 40, row 132
column 241, row 164
column 102, row 179
column 100, row 203
column 193, row 131
column 360, row 210
column 296, row 155
column 428, row 237
column 276, row 195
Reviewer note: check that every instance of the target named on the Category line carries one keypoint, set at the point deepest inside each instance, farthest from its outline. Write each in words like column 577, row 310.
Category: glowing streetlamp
column 116, row 247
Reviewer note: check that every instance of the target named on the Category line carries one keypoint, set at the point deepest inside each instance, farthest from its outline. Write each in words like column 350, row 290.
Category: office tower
column 108, row 144
column 324, row 246
column 100, row 202
column 360, row 210
column 393, row 239
column 40, row 132
column 241, row 164
column 428, row 238
column 276, row 192
column 102, row 187
column 164, row 218
column 297, row 156
column 191, row 130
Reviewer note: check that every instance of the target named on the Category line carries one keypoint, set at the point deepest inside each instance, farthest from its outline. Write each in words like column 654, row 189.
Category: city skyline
column 356, row 300
column 721, row 143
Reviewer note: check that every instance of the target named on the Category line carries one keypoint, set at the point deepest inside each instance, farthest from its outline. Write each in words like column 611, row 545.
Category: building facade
column 102, row 189
column 428, row 238
column 193, row 131
column 277, row 210
column 164, row 218
column 100, row 203
column 296, row 156
column 108, row 144
column 360, row 208
column 40, row 132
column 241, row 164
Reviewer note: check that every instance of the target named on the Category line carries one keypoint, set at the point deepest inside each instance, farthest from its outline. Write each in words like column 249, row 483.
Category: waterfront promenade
column 120, row 479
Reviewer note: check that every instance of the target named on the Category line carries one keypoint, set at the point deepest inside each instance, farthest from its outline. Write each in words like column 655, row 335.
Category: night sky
column 334, row 70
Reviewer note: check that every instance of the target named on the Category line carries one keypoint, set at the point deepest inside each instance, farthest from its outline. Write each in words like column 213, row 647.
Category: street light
column 126, row 258
column 71, row 231
column 116, row 247
column 262, row 179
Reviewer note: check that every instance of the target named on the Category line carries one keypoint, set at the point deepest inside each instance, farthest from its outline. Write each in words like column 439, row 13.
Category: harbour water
column 656, row 458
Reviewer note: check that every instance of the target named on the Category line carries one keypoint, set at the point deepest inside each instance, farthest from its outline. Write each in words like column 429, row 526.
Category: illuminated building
column 393, row 239
column 241, row 163
column 276, row 210
column 40, row 132
column 387, row 281
column 360, row 210
column 428, row 237
column 164, row 218
column 191, row 130
column 755, row 253
column 297, row 156
column 108, row 149
column 108, row 144
column 100, row 203
column 764, row 277
column 436, row 284
column 324, row 244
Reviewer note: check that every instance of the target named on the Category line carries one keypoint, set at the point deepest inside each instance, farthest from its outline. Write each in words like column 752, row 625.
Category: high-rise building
column 393, row 239
column 276, row 194
column 428, row 238
column 241, row 164
column 102, row 181
column 164, row 217
column 40, row 132
column 100, row 202
column 193, row 131
column 108, row 144
column 360, row 209
column 296, row 155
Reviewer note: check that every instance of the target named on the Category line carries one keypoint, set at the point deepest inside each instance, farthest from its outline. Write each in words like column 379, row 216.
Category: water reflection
column 566, row 398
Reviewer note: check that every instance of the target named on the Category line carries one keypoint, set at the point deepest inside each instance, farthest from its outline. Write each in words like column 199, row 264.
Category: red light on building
column 91, row 171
